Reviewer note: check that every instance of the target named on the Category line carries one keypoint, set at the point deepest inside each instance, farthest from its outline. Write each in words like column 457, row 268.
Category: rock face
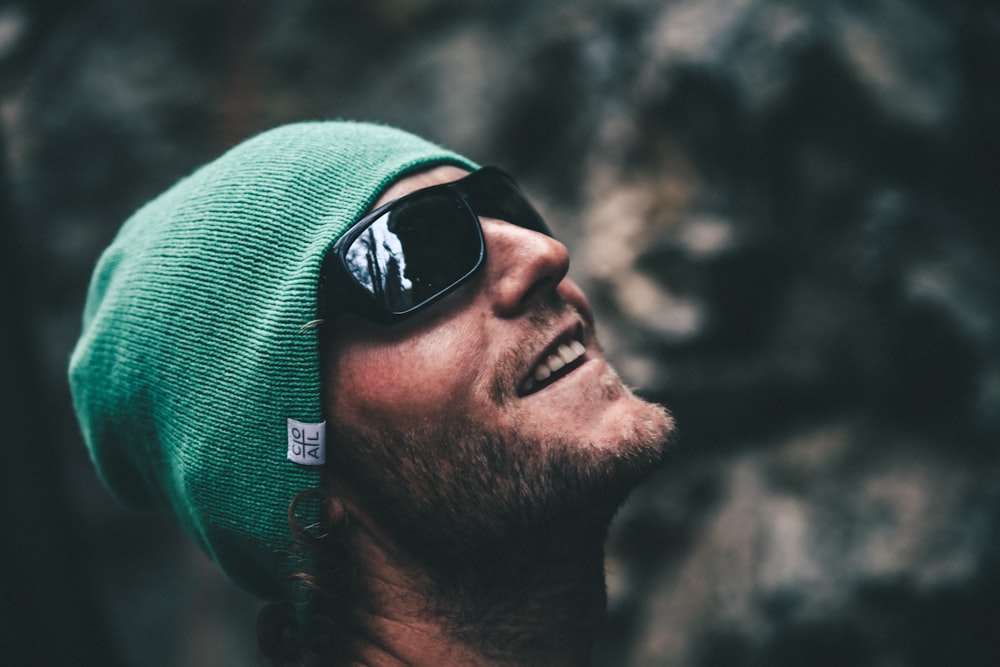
column 783, row 212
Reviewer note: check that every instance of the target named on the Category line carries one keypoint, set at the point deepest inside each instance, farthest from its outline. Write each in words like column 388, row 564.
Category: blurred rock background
column 784, row 212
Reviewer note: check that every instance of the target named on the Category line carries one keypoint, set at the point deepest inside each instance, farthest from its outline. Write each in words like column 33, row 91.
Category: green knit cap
column 195, row 350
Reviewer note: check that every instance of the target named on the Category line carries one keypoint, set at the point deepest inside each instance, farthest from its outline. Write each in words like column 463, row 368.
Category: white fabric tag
column 306, row 443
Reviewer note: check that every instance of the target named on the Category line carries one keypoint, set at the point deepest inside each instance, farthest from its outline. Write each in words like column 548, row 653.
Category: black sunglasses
column 404, row 256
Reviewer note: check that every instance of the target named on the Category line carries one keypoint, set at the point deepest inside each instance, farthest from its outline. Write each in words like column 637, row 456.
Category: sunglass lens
column 416, row 251
column 493, row 194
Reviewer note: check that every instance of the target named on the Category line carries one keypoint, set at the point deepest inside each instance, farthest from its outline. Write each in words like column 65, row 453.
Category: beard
column 450, row 493
column 451, row 487
column 492, row 516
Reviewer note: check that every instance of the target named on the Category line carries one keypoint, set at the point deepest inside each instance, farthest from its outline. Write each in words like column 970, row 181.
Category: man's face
column 461, row 416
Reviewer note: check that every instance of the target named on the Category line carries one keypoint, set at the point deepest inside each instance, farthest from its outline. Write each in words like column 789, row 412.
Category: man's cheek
column 415, row 389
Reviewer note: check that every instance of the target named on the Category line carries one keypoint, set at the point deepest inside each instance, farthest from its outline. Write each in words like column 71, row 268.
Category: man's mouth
column 564, row 355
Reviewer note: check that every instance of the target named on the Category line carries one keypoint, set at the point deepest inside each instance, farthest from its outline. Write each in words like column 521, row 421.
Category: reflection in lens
column 415, row 251
column 377, row 261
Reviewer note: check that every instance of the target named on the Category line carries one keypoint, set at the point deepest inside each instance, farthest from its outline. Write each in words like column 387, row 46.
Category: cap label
column 306, row 443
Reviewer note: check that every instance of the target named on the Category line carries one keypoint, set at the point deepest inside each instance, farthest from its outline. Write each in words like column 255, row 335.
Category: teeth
column 565, row 354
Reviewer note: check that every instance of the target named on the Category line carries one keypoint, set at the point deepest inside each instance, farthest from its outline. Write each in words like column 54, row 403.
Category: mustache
column 543, row 322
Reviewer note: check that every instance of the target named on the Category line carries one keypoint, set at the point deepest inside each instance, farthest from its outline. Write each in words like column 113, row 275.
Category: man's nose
column 521, row 265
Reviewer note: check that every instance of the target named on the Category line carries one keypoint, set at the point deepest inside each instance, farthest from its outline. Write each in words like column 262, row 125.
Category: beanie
column 196, row 358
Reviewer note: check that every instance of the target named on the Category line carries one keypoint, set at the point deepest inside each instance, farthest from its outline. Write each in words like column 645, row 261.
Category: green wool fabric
column 196, row 346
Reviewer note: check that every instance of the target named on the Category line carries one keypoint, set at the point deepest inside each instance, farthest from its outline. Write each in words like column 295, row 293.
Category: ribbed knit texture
column 194, row 348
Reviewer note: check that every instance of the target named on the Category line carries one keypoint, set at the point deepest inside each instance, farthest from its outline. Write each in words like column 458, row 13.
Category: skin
column 464, row 494
column 445, row 362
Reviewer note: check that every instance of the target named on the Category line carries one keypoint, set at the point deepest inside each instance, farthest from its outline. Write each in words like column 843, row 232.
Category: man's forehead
column 418, row 180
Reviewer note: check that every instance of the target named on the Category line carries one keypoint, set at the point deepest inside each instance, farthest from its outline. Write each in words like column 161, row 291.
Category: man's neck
column 534, row 600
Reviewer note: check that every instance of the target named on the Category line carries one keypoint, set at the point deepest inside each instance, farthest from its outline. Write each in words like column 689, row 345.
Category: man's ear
column 339, row 499
column 334, row 510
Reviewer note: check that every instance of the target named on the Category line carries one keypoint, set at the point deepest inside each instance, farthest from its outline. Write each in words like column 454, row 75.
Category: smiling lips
column 563, row 358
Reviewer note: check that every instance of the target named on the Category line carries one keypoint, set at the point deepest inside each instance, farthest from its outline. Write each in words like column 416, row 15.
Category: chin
column 602, row 466
column 627, row 424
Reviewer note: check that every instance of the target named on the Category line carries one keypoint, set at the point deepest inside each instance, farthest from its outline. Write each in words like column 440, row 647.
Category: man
column 398, row 425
